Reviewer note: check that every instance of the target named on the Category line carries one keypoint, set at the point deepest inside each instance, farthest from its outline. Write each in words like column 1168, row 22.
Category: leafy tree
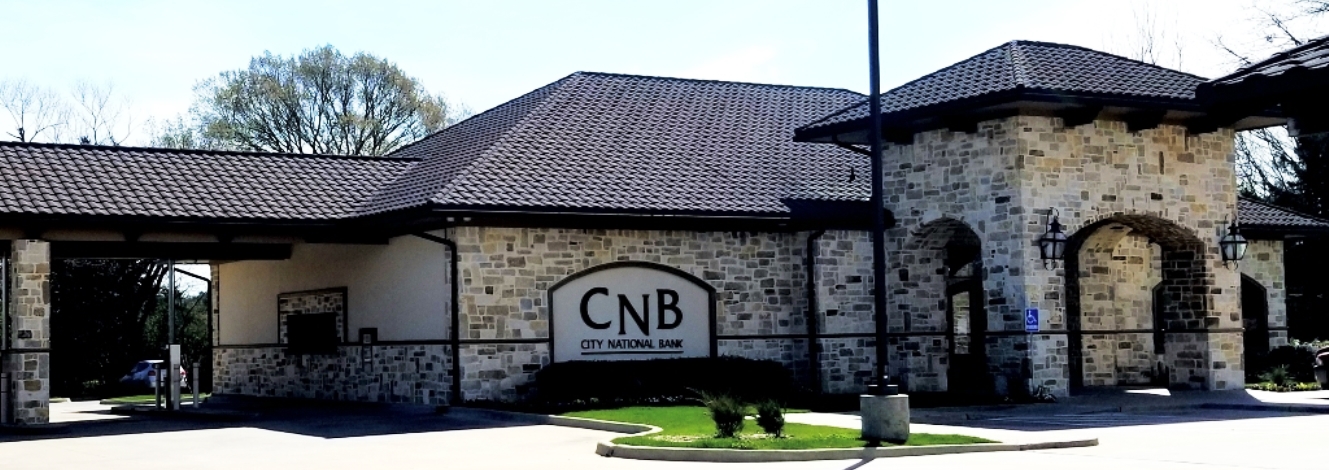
column 99, row 313
column 321, row 101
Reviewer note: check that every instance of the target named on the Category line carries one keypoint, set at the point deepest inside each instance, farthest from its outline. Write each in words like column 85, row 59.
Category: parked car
column 144, row 374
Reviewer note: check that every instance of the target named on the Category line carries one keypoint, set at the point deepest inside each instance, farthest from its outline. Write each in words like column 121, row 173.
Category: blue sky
column 482, row 53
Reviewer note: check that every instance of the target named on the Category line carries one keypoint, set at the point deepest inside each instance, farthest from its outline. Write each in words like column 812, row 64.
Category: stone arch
column 936, row 288
column 1118, row 270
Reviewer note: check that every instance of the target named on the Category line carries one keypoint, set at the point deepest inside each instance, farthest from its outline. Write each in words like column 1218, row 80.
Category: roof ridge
column 200, row 152
column 726, row 82
column 557, row 86
column 905, row 84
column 1281, row 208
column 1103, row 53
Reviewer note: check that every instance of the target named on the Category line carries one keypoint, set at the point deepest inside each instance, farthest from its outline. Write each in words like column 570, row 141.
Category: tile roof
column 1259, row 214
column 1030, row 67
column 589, row 142
column 1266, row 77
column 608, row 142
column 47, row 179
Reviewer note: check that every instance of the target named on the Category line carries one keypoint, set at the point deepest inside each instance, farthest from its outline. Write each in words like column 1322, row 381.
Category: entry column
column 28, row 360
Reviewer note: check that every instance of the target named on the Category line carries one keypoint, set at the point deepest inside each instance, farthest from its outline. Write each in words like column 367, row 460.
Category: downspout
column 454, row 330
column 814, row 346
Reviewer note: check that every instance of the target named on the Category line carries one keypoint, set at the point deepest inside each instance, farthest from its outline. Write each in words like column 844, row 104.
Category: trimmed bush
column 588, row 384
column 770, row 416
column 1298, row 362
column 728, row 413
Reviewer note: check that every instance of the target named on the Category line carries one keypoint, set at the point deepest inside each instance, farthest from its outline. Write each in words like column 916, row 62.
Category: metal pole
column 878, row 216
column 194, row 386
column 157, row 386
column 170, row 304
column 4, row 398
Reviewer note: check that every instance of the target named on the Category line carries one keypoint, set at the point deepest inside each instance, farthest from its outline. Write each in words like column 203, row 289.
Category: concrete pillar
column 29, row 358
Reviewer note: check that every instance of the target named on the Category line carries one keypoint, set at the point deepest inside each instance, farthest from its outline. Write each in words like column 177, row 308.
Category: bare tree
column 99, row 116
column 318, row 102
column 1270, row 164
column 35, row 113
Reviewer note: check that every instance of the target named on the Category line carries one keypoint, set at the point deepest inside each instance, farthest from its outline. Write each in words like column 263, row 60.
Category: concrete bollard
column 194, row 386
column 157, row 386
column 885, row 417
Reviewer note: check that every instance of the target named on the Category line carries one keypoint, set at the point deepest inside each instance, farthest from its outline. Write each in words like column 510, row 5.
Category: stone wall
column 1264, row 264
column 1176, row 188
column 759, row 277
column 999, row 181
column 29, row 342
column 316, row 301
column 1118, row 270
column 954, row 187
column 386, row 373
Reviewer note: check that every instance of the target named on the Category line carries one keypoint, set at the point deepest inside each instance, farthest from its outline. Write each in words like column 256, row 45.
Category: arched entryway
column 1137, row 292
column 1255, row 324
column 938, row 290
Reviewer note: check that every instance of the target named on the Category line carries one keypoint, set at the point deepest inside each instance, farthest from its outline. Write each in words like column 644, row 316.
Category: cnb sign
column 631, row 310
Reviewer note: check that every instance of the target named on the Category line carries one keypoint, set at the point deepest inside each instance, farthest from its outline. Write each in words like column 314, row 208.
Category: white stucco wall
column 400, row 288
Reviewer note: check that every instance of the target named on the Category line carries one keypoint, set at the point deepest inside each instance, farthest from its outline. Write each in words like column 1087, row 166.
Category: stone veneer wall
column 1184, row 182
column 386, row 373
column 1264, row 264
column 998, row 181
column 28, row 359
column 759, row 278
column 949, row 184
column 1118, row 271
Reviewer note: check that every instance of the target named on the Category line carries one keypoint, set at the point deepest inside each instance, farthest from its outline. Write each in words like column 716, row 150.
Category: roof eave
column 920, row 119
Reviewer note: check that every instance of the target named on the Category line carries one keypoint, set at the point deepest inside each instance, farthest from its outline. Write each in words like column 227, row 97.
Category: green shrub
column 770, row 416
column 727, row 411
column 1299, row 360
column 1288, row 387
column 1278, row 375
column 600, row 384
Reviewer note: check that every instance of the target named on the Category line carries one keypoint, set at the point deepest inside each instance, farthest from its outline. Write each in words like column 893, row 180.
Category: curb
column 685, row 454
column 1290, row 408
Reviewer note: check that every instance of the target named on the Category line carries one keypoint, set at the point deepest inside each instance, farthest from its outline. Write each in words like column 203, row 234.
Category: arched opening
column 1255, row 325
column 1137, row 293
column 939, row 293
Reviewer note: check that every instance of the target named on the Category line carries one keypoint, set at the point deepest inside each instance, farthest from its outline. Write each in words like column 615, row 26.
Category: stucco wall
column 400, row 288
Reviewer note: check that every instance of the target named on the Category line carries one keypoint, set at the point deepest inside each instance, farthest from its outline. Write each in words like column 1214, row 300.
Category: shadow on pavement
column 325, row 420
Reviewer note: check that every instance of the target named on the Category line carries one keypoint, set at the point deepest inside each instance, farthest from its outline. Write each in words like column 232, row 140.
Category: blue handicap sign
column 1031, row 320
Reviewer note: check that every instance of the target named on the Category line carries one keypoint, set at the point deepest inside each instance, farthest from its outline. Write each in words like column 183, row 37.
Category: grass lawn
column 691, row 426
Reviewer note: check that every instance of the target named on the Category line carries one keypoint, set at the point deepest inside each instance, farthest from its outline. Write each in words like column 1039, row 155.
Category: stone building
column 624, row 217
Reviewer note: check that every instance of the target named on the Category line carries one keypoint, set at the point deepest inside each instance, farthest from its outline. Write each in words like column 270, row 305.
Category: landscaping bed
column 692, row 426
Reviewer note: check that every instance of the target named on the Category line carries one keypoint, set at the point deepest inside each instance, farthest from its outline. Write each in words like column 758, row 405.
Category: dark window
column 312, row 333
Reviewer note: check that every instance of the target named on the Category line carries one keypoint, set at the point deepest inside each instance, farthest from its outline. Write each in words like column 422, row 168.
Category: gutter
column 454, row 329
column 814, row 346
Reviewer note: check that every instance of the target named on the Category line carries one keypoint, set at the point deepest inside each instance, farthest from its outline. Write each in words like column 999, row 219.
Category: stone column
column 29, row 358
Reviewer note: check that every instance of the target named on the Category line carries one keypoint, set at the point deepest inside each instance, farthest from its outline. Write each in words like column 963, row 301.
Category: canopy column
column 28, row 355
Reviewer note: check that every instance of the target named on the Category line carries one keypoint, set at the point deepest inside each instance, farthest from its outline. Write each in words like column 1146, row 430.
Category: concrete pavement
column 359, row 438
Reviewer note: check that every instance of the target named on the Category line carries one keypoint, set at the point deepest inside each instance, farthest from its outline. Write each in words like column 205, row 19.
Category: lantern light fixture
column 1233, row 245
column 1052, row 245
